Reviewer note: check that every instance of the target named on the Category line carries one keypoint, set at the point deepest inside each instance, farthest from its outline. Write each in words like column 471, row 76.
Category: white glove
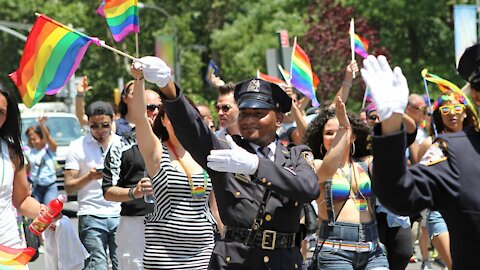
column 389, row 89
column 234, row 160
column 155, row 70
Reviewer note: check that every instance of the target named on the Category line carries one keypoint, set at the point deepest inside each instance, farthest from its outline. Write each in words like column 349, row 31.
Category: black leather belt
column 266, row 239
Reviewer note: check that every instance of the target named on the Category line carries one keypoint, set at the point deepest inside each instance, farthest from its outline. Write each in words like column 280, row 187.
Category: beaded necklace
column 198, row 192
column 360, row 203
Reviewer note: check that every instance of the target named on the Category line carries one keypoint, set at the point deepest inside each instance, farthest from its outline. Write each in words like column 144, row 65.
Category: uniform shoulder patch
column 308, row 156
column 435, row 154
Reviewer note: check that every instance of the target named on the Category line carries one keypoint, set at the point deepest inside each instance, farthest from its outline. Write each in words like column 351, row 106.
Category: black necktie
column 265, row 151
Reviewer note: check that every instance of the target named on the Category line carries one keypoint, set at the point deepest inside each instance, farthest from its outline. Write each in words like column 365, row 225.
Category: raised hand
column 83, row 86
column 351, row 69
column 155, row 70
column 341, row 113
column 234, row 160
column 389, row 88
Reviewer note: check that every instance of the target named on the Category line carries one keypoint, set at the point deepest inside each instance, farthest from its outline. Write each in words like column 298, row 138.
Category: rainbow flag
column 122, row 17
column 301, row 75
column 51, row 55
column 361, row 45
column 212, row 69
column 269, row 78
column 15, row 258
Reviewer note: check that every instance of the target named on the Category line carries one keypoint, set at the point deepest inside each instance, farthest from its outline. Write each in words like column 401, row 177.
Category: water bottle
column 149, row 198
column 43, row 220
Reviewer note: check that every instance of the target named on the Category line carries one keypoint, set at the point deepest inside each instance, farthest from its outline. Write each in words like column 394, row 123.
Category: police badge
column 253, row 86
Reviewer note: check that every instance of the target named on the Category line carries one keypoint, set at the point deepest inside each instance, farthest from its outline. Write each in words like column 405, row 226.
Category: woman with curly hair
column 451, row 113
column 348, row 235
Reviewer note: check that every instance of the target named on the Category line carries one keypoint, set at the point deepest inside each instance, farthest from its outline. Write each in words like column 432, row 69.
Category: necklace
column 359, row 201
column 198, row 192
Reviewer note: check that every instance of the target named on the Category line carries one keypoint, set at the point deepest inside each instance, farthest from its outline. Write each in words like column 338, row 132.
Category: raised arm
column 52, row 144
column 344, row 91
column 340, row 144
column 82, row 89
column 148, row 143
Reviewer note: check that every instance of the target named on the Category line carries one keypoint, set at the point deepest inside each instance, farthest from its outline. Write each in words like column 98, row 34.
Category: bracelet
column 139, row 79
column 80, row 94
column 130, row 193
column 347, row 84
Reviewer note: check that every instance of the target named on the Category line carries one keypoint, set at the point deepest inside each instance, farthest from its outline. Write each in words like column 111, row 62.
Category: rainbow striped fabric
column 301, row 75
column 361, row 45
column 122, row 17
column 269, row 78
column 15, row 258
column 51, row 55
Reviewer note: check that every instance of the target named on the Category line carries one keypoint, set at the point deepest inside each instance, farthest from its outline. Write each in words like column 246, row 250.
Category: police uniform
column 289, row 181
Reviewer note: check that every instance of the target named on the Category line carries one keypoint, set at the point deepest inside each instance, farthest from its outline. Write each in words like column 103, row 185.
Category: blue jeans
column 97, row 234
column 334, row 258
column 435, row 224
column 45, row 194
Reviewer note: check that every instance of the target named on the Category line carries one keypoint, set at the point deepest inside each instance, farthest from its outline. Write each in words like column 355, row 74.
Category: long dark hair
column 314, row 134
column 11, row 129
column 122, row 106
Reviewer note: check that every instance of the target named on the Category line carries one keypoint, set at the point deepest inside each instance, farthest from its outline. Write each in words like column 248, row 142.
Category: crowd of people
column 162, row 186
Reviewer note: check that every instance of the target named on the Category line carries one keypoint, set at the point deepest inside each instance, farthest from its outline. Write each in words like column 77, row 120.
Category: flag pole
column 285, row 77
column 136, row 46
column 95, row 40
column 430, row 105
column 352, row 42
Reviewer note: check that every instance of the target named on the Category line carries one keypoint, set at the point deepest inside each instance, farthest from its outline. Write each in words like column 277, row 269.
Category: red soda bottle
column 43, row 220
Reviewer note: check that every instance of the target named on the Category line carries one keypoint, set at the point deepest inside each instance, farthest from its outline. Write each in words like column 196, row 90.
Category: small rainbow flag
column 212, row 69
column 15, row 258
column 122, row 17
column 51, row 55
column 301, row 75
column 361, row 45
column 269, row 78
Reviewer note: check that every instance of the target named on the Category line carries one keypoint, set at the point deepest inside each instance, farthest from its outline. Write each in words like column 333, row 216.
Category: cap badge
column 253, row 86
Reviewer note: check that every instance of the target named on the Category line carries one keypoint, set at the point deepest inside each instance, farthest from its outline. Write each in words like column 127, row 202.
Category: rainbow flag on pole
column 301, row 75
column 122, row 17
column 51, row 55
column 361, row 45
column 15, row 258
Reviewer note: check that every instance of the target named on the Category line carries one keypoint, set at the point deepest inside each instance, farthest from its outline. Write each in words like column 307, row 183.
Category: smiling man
column 259, row 183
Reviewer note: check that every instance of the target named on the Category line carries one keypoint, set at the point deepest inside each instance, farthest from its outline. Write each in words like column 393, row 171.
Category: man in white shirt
column 97, row 218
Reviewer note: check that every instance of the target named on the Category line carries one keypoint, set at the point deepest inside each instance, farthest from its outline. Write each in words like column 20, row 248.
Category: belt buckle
column 269, row 234
column 357, row 247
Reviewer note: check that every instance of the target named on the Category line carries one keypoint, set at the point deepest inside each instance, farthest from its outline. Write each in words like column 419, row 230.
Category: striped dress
column 179, row 234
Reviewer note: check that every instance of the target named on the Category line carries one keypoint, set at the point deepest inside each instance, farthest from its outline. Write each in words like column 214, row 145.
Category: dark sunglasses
column 373, row 117
column 225, row 108
column 95, row 126
column 152, row 107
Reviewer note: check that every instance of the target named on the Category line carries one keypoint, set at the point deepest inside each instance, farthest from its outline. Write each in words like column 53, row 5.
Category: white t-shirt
column 84, row 154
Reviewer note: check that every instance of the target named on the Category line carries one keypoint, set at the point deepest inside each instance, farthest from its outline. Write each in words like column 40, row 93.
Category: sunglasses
column 225, row 108
column 373, row 117
column 103, row 125
column 455, row 108
column 152, row 107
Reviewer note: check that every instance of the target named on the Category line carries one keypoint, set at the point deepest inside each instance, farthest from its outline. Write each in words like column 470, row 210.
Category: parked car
column 63, row 127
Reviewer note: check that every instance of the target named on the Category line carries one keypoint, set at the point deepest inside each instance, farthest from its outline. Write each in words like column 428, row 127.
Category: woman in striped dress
column 179, row 234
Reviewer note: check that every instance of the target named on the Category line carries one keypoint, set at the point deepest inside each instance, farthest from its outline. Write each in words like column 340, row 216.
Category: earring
column 353, row 149
column 321, row 149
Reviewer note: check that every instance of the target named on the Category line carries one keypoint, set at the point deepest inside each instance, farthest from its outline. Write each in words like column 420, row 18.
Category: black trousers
column 398, row 242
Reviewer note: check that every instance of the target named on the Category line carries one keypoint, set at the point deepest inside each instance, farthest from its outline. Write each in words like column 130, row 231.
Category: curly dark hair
column 314, row 134
column 470, row 120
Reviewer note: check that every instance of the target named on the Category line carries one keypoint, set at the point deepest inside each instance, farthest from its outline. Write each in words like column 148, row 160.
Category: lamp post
column 175, row 43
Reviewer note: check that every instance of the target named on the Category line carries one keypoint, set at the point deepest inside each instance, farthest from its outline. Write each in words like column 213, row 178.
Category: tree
column 327, row 43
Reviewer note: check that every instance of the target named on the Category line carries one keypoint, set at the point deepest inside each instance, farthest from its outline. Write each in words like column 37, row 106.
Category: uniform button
column 264, row 180
column 296, row 203
column 268, row 217
column 269, row 183
column 227, row 259
column 237, row 193
column 266, row 259
column 296, row 266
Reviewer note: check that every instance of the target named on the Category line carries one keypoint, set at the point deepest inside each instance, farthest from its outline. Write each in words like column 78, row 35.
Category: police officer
column 446, row 179
column 260, row 184
column 468, row 68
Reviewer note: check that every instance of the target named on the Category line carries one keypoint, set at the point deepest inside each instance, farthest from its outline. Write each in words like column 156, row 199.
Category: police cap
column 469, row 66
column 259, row 94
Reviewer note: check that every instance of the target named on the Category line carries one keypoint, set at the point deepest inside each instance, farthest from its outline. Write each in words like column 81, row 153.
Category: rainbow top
column 15, row 258
column 301, row 75
column 51, row 55
column 269, row 78
column 361, row 45
column 122, row 17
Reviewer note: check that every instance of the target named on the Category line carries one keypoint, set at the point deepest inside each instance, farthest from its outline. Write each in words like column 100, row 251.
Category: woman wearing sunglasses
column 450, row 114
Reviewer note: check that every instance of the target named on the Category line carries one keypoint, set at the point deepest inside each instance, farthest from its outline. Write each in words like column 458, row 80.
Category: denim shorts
column 435, row 224
column 334, row 258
